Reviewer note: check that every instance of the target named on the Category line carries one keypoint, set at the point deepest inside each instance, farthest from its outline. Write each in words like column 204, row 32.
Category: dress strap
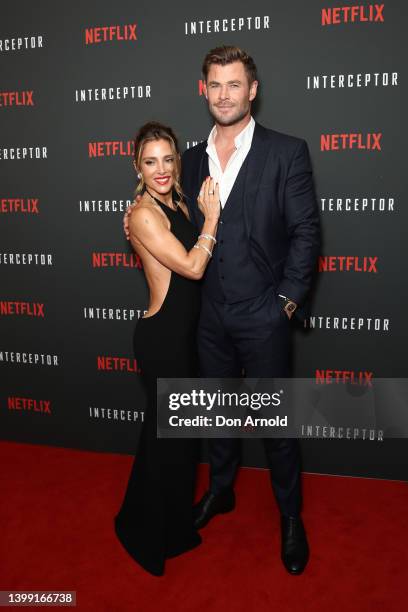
column 162, row 203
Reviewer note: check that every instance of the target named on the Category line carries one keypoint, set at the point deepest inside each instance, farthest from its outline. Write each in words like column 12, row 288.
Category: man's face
column 228, row 93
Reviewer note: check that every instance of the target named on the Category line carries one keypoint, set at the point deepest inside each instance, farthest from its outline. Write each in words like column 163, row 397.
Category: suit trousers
column 251, row 335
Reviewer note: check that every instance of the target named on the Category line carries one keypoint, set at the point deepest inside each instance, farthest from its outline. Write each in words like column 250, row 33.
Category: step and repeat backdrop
column 77, row 81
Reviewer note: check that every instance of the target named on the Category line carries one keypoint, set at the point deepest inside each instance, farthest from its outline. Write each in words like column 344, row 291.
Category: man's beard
column 236, row 118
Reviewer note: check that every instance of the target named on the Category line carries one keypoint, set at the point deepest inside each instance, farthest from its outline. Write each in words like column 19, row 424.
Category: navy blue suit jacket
column 280, row 208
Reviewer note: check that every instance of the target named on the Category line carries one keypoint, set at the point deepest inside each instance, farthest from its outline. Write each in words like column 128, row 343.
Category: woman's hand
column 127, row 215
column 209, row 199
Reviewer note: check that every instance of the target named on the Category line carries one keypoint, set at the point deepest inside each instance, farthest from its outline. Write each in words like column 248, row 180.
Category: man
column 261, row 271
column 259, row 275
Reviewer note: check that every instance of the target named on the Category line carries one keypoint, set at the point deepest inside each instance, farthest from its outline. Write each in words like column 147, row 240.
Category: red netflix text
column 109, row 33
column 29, row 405
column 328, row 377
column 353, row 14
column 16, row 98
column 116, row 260
column 31, row 309
column 336, row 142
column 347, row 263
column 21, row 205
column 111, row 148
column 117, row 364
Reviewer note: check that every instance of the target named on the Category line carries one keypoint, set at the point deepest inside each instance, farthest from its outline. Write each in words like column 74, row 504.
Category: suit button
column 221, row 259
column 221, row 222
column 221, row 241
column 222, row 277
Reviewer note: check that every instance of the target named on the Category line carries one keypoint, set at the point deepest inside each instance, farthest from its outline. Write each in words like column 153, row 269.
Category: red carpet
column 56, row 514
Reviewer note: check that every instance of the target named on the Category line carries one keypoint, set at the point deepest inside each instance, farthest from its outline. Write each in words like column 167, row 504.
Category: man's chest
column 225, row 156
column 225, row 169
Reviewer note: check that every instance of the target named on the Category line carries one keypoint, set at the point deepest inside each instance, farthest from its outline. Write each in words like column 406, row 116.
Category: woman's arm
column 146, row 226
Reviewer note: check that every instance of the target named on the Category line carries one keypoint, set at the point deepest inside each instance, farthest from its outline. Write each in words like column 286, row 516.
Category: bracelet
column 209, row 237
column 201, row 246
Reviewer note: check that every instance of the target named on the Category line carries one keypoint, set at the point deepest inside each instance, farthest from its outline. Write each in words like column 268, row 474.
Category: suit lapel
column 204, row 169
column 257, row 156
column 203, row 172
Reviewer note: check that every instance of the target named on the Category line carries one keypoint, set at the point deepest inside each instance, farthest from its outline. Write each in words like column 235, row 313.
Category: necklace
column 160, row 202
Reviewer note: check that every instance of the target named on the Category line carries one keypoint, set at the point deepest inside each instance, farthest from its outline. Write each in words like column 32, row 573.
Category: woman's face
column 158, row 164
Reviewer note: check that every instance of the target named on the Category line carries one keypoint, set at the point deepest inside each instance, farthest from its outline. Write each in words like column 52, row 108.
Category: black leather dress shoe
column 212, row 504
column 295, row 549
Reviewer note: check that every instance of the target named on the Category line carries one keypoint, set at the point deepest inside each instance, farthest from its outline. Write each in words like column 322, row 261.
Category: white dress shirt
column 227, row 178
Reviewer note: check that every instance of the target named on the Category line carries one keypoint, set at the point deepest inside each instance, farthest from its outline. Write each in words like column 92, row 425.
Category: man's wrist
column 289, row 306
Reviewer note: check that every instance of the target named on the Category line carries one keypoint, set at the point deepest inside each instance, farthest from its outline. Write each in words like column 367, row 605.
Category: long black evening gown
column 155, row 521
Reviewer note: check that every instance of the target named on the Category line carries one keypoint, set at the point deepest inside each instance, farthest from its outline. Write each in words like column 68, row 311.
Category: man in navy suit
column 260, row 273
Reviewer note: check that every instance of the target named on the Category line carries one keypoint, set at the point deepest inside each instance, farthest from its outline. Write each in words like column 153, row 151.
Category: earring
column 139, row 176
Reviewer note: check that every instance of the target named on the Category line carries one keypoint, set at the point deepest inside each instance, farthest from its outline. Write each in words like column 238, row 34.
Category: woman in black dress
column 155, row 521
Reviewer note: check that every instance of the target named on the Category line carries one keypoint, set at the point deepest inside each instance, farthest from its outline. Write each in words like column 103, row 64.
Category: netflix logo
column 373, row 13
column 337, row 142
column 111, row 148
column 19, row 205
column 27, row 404
column 116, row 260
column 105, row 363
column 347, row 263
column 16, row 98
column 329, row 377
column 103, row 34
column 30, row 309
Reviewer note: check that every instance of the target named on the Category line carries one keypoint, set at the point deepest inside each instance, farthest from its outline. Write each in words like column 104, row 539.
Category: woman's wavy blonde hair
column 157, row 131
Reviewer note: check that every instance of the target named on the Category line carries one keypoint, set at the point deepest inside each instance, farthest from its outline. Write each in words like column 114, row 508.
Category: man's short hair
column 228, row 54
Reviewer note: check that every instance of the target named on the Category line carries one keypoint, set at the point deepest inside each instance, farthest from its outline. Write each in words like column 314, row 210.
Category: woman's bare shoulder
column 145, row 213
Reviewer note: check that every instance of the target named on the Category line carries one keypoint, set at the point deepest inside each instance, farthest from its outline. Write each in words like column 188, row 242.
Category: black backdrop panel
column 68, row 376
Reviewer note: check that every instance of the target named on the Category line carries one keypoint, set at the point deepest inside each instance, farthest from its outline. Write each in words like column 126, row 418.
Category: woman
column 155, row 521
